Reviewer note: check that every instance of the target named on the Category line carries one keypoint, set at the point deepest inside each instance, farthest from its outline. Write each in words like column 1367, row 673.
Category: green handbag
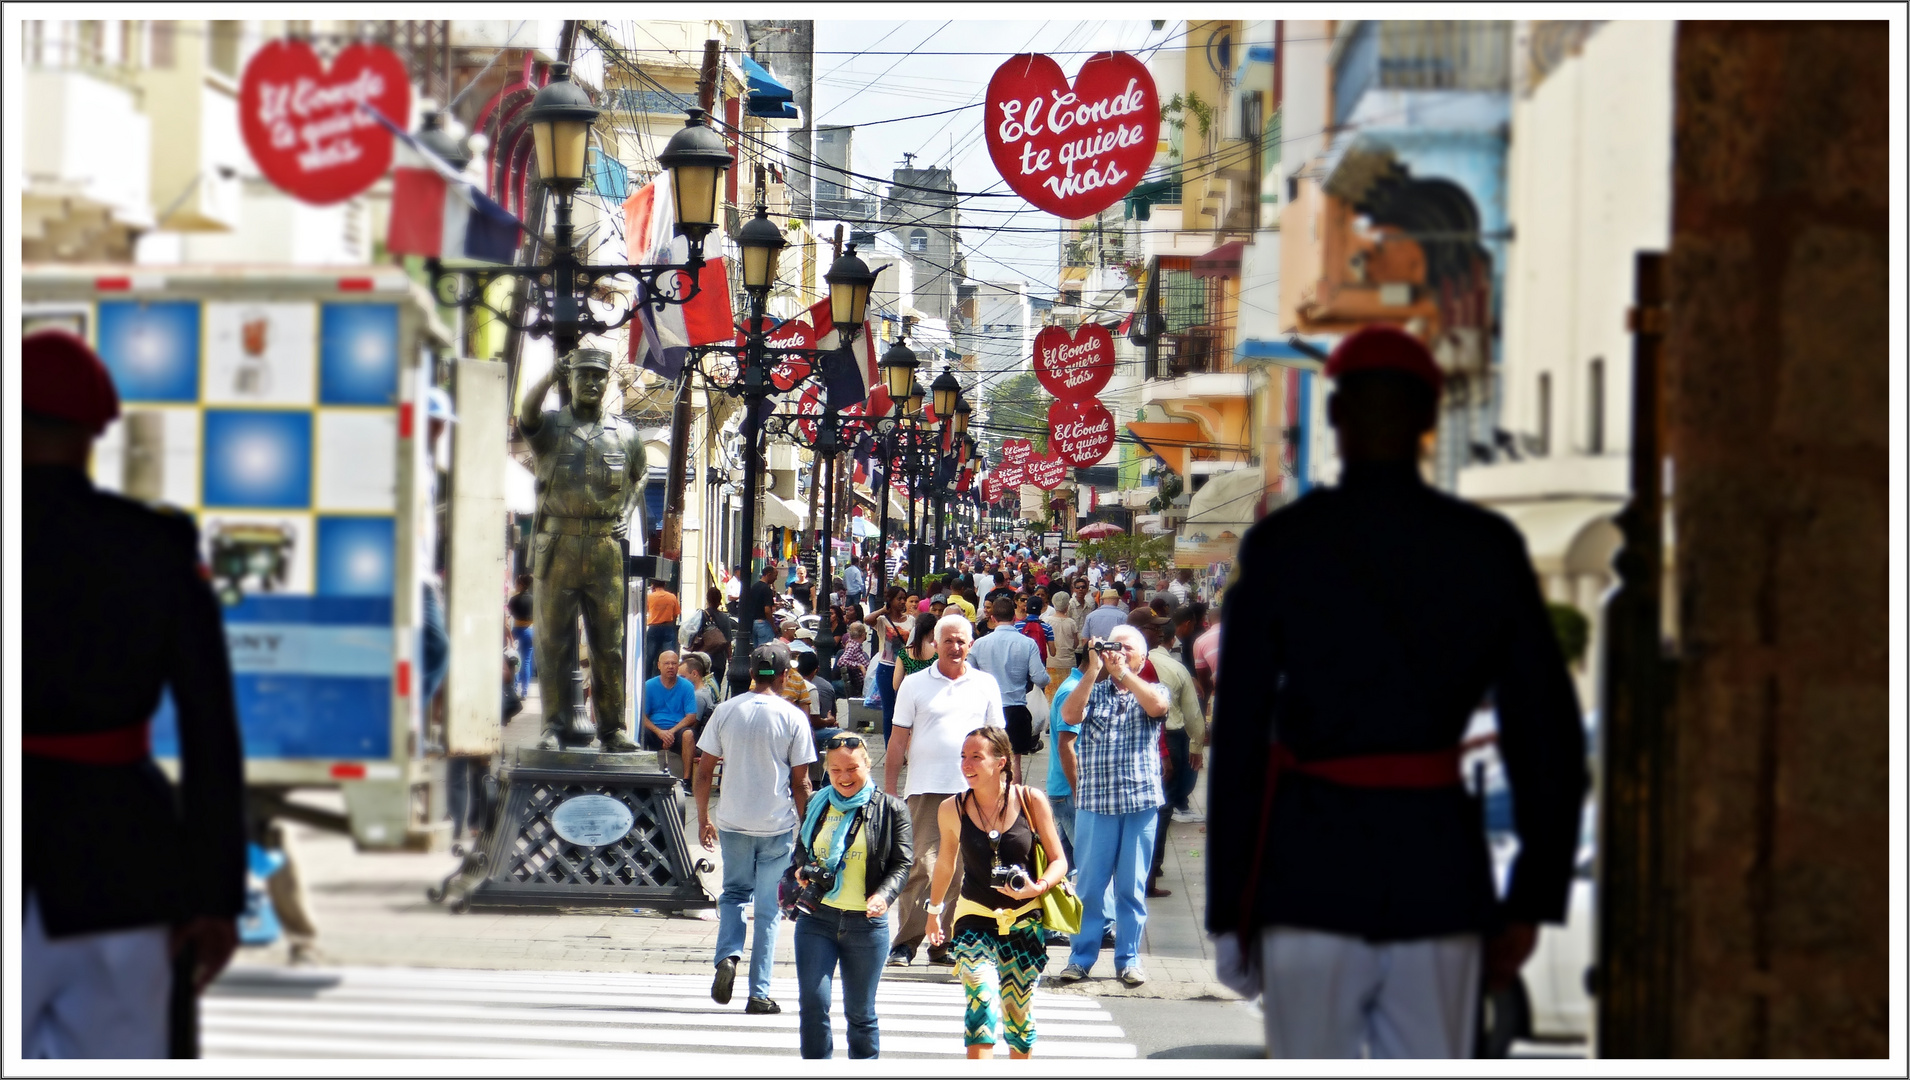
column 1060, row 907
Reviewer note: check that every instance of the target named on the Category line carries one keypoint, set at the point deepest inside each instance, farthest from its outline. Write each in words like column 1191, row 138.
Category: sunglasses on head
column 837, row 742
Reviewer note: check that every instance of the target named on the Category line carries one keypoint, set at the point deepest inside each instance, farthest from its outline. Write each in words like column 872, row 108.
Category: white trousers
column 94, row 995
column 1333, row 996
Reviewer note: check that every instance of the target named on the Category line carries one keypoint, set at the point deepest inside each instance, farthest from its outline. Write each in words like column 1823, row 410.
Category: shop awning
column 768, row 97
column 1567, row 536
column 1282, row 352
column 780, row 513
column 1222, row 262
column 1138, row 204
column 1168, row 441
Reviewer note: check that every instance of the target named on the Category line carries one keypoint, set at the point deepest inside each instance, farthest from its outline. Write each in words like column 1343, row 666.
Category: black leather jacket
column 891, row 836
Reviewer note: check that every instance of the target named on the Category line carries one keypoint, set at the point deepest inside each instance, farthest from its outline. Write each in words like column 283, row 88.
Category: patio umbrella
column 1099, row 530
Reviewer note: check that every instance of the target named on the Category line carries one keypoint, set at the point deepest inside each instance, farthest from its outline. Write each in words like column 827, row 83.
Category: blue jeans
column 762, row 633
column 1064, row 824
column 657, row 640
column 1116, row 851
column 752, row 866
column 861, row 946
column 526, row 668
column 882, row 676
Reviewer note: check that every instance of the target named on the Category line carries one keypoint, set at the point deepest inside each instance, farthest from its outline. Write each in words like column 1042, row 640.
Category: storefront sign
column 1072, row 151
column 1080, row 432
column 1077, row 366
column 303, row 123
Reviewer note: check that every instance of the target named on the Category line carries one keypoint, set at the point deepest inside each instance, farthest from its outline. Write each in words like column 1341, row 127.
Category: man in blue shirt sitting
column 669, row 715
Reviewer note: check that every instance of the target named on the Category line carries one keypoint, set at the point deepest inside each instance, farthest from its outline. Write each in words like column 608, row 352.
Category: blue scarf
column 847, row 805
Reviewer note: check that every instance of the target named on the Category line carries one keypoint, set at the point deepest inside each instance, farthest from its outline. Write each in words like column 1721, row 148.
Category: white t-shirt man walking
column 935, row 710
column 766, row 747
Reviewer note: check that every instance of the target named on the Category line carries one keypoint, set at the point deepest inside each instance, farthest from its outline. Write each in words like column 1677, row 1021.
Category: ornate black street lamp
column 565, row 288
column 850, row 281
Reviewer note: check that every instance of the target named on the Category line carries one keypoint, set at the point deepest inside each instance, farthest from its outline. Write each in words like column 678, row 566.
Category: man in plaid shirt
column 1117, row 797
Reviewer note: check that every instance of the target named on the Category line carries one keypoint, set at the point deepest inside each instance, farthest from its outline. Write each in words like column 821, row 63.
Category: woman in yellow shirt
column 852, row 857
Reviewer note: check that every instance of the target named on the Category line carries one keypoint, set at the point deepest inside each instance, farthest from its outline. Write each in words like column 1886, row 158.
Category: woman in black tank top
column 999, row 945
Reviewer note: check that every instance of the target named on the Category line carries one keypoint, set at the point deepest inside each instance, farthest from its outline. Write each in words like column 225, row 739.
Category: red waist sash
column 1422, row 771
column 119, row 746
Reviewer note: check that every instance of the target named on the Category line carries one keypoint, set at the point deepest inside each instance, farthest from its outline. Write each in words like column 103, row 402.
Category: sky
column 898, row 73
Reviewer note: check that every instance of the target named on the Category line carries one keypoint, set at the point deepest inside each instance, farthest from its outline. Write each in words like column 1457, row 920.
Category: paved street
column 435, row 1013
column 396, row 975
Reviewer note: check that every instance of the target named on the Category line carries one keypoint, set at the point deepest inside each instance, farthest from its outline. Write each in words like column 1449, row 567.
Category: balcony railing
column 1199, row 350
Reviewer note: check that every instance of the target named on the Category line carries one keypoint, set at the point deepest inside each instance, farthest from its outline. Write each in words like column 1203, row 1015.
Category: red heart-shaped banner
column 1074, row 367
column 1080, row 432
column 788, row 370
column 1016, row 451
column 1072, row 151
column 1012, row 476
column 1047, row 473
column 302, row 122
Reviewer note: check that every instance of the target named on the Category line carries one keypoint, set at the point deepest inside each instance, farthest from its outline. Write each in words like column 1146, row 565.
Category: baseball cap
column 786, row 624
column 805, row 634
column 62, row 377
column 1141, row 616
column 1385, row 348
column 769, row 661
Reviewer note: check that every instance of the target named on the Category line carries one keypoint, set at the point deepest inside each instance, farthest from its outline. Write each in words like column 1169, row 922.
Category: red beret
column 1385, row 348
column 62, row 377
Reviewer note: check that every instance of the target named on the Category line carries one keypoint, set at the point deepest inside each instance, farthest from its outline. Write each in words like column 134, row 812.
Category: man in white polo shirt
column 934, row 712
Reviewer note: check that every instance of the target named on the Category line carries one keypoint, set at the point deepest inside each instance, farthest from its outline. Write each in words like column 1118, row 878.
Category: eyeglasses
column 837, row 742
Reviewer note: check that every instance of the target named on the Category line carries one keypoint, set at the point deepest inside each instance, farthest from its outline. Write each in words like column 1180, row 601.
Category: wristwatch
column 934, row 909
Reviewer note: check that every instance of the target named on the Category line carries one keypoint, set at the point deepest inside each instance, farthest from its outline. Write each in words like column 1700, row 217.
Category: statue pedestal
column 578, row 828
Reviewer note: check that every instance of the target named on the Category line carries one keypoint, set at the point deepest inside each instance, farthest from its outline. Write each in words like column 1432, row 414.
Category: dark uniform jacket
column 1372, row 618
column 113, row 607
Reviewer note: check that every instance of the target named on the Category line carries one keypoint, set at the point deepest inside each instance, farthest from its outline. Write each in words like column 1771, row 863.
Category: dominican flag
column 437, row 213
column 661, row 341
column 848, row 377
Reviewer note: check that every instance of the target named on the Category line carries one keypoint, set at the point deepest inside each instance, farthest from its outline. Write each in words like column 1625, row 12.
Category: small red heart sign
column 1016, row 451
column 1047, row 473
column 1080, row 432
column 303, row 125
column 788, row 370
column 1012, row 476
column 1072, row 151
column 1074, row 367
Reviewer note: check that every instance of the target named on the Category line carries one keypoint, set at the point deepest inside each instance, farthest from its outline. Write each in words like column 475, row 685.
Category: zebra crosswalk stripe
column 438, row 1013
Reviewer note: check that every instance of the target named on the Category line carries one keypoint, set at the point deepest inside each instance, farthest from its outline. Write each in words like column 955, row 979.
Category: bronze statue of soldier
column 590, row 472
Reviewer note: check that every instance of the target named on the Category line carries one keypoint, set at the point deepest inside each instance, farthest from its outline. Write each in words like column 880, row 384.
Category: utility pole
column 671, row 545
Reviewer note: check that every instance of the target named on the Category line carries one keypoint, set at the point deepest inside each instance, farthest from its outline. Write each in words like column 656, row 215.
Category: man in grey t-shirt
column 766, row 747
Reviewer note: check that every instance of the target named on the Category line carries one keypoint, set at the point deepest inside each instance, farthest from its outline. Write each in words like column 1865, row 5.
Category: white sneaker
column 1189, row 817
column 1133, row 976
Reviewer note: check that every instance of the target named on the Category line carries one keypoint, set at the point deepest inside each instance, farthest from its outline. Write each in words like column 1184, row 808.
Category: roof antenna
column 908, row 161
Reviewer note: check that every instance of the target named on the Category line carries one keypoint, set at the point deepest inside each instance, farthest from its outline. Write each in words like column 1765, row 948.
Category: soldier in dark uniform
column 1369, row 621
column 122, row 874
column 590, row 471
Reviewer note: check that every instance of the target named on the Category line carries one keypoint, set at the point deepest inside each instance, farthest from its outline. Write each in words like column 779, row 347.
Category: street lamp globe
column 560, row 118
column 898, row 370
column 697, row 158
column 850, row 280
column 761, row 241
column 962, row 410
column 916, row 397
column 433, row 137
column 946, row 389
